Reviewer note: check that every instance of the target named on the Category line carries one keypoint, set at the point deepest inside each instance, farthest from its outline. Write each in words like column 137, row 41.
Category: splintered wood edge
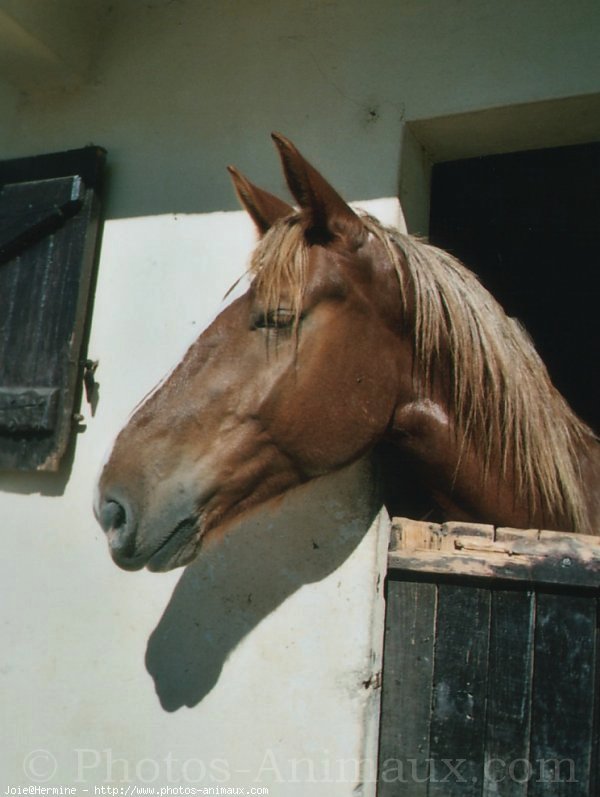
column 477, row 550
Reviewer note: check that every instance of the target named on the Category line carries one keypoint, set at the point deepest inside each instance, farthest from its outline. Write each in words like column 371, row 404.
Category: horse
column 351, row 339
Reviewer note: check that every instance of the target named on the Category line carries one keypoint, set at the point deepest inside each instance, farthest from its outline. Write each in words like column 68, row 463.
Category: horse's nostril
column 113, row 516
column 119, row 523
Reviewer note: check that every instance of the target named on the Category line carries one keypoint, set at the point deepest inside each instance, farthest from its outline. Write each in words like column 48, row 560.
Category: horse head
column 349, row 335
column 296, row 378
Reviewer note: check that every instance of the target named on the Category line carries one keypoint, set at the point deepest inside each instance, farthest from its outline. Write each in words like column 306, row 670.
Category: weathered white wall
column 250, row 668
column 178, row 89
column 257, row 660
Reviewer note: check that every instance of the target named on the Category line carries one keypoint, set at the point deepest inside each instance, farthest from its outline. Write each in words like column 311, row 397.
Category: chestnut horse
column 350, row 337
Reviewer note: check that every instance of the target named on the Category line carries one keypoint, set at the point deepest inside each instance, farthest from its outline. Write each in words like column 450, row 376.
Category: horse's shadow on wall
column 231, row 587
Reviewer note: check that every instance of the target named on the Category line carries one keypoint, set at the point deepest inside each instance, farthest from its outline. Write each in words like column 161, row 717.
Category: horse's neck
column 458, row 482
column 454, row 476
column 489, row 462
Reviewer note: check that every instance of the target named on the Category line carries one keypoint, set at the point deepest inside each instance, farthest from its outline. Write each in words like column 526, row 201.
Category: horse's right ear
column 264, row 208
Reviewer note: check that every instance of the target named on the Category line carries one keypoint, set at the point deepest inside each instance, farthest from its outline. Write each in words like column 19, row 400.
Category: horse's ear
column 327, row 214
column 264, row 208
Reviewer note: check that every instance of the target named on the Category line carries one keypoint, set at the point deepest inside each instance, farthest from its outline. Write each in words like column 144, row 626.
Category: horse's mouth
column 178, row 548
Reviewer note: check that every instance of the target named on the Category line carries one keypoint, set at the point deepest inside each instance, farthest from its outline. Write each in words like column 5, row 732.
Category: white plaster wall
column 175, row 90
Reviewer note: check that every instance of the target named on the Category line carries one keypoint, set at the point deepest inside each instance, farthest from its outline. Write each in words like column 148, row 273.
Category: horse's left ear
column 264, row 208
column 327, row 214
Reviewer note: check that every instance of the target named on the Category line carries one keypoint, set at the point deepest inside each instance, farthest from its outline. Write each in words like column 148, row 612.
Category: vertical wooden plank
column 406, row 689
column 459, row 691
column 562, row 702
column 595, row 768
column 508, row 718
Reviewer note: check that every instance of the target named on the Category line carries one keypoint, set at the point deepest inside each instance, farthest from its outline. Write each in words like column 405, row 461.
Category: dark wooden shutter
column 49, row 220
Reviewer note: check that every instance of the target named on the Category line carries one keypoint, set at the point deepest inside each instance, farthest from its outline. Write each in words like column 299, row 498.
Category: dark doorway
column 528, row 223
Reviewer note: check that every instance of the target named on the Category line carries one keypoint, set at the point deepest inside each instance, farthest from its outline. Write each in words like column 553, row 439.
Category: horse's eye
column 280, row 318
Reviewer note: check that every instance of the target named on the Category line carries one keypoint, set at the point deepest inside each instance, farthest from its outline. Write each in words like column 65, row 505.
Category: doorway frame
column 488, row 131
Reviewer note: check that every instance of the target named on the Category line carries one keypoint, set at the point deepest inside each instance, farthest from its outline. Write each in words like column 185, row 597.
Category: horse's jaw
column 179, row 548
column 169, row 525
column 173, row 536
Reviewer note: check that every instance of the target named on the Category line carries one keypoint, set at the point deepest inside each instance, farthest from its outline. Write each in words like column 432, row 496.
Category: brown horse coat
column 350, row 336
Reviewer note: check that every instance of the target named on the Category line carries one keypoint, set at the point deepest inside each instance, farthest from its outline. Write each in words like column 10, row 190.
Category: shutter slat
column 31, row 210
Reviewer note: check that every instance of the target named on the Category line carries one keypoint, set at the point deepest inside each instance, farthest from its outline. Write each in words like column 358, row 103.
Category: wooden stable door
column 491, row 663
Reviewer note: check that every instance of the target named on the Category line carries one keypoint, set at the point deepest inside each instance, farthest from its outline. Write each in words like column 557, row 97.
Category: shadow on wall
column 230, row 588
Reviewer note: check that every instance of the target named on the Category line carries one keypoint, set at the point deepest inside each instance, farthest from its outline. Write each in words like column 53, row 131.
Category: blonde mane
column 501, row 394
